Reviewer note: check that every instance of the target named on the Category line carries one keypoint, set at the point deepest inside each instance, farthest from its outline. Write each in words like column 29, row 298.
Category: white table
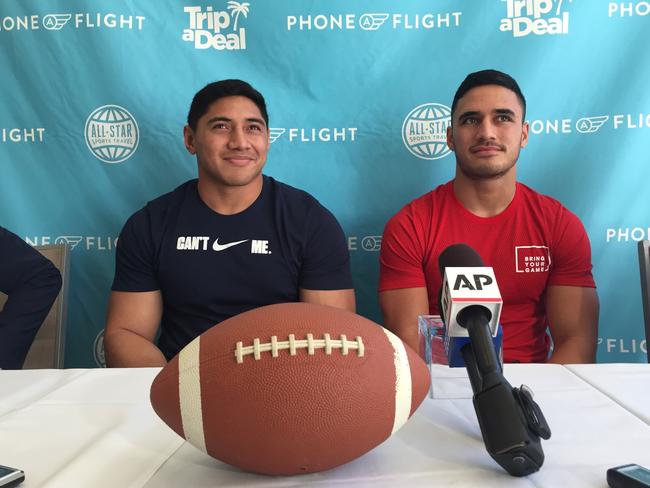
column 95, row 428
column 626, row 384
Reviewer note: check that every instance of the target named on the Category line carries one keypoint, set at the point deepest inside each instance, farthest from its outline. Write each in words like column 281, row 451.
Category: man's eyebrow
column 474, row 113
column 255, row 119
column 220, row 118
column 470, row 113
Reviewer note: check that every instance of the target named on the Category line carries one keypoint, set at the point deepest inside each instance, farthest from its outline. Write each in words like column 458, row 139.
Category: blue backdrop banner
column 95, row 95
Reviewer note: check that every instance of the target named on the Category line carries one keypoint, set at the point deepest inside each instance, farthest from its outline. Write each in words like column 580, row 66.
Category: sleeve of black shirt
column 32, row 283
column 326, row 262
column 134, row 257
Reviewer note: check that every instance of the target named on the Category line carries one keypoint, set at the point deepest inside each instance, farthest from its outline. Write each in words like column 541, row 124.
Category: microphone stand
column 511, row 422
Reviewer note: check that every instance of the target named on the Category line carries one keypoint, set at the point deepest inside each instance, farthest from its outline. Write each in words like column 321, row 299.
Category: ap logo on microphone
column 465, row 286
column 479, row 281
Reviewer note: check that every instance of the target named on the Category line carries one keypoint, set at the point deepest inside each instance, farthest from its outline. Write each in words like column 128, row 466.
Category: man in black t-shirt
column 230, row 241
column 31, row 283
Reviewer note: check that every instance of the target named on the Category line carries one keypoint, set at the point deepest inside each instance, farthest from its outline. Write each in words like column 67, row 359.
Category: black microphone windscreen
column 458, row 256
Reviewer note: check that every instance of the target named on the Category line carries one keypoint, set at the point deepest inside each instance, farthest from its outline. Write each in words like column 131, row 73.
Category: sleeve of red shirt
column 571, row 259
column 402, row 251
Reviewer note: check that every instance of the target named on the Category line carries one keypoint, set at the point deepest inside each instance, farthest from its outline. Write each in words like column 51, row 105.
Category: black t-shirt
column 210, row 267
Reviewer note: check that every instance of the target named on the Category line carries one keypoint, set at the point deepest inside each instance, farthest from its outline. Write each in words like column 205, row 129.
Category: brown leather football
column 290, row 388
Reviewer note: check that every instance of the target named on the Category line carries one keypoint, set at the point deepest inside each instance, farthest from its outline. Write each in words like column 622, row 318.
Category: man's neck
column 485, row 198
column 229, row 200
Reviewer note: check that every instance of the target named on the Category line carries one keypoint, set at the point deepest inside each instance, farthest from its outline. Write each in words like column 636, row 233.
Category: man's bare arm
column 334, row 298
column 572, row 312
column 401, row 309
column 131, row 326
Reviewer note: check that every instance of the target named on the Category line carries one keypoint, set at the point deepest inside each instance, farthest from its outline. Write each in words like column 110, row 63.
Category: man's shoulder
column 547, row 205
column 171, row 198
column 289, row 193
column 551, row 211
column 155, row 213
column 5, row 234
column 159, row 206
column 424, row 204
column 296, row 204
column 10, row 243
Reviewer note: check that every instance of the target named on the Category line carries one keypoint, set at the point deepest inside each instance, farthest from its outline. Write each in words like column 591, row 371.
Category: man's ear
column 524, row 135
column 450, row 138
column 188, row 138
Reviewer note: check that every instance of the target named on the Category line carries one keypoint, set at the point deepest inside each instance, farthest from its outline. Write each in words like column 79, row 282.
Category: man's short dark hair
column 488, row 77
column 212, row 92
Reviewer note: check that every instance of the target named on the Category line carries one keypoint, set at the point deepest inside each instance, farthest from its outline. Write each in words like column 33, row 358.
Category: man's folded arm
column 401, row 308
column 31, row 283
column 334, row 298
column 572, row 313
column 131, row 325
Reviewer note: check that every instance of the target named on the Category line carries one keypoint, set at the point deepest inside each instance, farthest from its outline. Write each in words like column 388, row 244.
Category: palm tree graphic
column 238, row 8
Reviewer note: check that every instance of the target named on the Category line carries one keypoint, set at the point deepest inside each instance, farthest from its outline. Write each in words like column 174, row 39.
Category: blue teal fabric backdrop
column 95, row 94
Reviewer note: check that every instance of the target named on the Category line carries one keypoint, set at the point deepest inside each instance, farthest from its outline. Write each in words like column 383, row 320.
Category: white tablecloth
column 95, row 428
column 626, row 384
column 82, row 428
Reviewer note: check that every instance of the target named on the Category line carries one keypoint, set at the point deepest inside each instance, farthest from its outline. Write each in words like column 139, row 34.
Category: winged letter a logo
column 275, row 133
column 372, row 21
column 587, row 125
column 56, row 21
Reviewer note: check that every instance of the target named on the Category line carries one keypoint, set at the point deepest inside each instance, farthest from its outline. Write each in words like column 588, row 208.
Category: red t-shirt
column 535, row 242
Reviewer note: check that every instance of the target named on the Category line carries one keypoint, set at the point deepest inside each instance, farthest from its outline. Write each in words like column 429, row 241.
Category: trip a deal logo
column 211, row 28
column 539, row 17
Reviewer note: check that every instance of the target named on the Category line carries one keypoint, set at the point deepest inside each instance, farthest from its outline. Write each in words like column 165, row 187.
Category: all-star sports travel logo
column 539, row 17
column 424, row 131
column 217, row 29
column 112, row 134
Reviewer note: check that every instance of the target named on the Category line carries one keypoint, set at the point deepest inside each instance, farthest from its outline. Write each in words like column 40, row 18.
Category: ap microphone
column 466, row 284
column 511, row 421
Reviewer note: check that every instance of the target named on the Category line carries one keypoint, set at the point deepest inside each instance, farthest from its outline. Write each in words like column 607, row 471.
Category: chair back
column 644, row 270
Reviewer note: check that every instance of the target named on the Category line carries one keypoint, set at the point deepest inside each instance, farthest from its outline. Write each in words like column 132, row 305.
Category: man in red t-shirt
column 539, row 250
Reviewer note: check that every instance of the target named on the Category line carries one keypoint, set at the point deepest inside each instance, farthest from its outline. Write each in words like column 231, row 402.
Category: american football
column 290, row 388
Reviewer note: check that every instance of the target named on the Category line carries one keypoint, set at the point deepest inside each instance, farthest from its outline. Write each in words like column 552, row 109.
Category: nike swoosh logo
column 220, row 247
